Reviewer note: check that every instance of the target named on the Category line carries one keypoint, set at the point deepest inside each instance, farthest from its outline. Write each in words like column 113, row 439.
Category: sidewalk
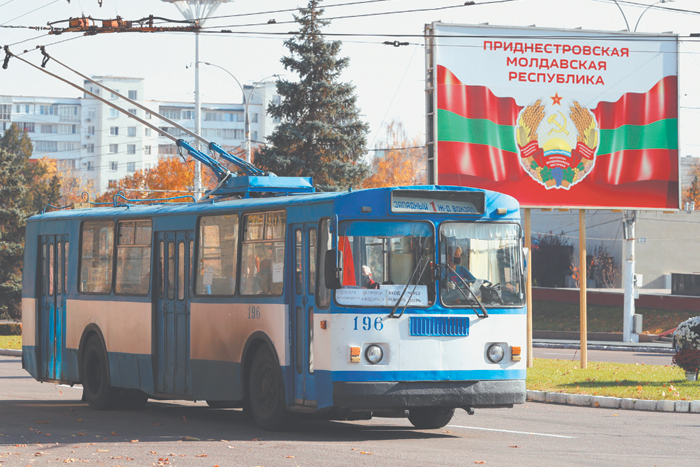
column 658, row 347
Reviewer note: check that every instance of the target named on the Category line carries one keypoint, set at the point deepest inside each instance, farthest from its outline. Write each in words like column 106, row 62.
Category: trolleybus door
column 172, row 308
column 52, row 305
column 303, row 305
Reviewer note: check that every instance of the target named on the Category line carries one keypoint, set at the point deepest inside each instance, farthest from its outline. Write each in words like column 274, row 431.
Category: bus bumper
column 404, row 395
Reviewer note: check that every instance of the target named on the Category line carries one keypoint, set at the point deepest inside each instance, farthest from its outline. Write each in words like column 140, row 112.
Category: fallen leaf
column 134, row 440
column 69, row 461
column 368, row 453
column 157, row 424
column 201, row 455
column 478, row 462
column 189, row 438
column 153, row 452
column 513, row 446
column 290, row 457
column 114, row 434
column 102, row 450
column 183, row 417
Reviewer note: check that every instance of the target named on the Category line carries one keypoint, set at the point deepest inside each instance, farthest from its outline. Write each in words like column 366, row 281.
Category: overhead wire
column 30, row 12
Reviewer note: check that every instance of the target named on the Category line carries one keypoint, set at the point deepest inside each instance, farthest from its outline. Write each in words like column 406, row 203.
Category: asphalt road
column 45, row 424
column 647, row 358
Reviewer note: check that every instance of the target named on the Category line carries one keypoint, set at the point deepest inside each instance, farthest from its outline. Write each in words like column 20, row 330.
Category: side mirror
column 332, row 272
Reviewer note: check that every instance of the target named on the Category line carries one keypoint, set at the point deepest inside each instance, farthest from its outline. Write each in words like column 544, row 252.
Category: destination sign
column 406, row 201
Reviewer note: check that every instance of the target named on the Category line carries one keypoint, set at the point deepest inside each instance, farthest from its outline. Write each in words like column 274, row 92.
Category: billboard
column 555, row 118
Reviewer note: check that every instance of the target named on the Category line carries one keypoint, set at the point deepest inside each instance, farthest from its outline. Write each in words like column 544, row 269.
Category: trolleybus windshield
column 488, row 259
column 379, row 259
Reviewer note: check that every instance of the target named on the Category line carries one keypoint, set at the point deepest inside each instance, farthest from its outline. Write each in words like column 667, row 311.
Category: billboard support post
column 583, row 267
column 528, row 284
column 628, row 228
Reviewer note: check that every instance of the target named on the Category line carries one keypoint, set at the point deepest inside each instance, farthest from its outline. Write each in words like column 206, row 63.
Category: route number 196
column 366, row 324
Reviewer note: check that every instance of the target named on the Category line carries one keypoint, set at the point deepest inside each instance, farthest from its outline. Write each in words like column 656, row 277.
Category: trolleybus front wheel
column 96, row 389
column 430, row 418
column 266, row 392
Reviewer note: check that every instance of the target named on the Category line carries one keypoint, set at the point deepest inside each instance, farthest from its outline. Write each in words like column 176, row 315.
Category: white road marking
column 509, row 431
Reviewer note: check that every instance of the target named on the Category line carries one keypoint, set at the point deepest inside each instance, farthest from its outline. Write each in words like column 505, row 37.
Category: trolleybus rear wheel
column 96, row 389
column 428, row 418
column 266, row 392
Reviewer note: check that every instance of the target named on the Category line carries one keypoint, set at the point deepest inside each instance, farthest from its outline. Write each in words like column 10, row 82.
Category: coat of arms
column 557, row 147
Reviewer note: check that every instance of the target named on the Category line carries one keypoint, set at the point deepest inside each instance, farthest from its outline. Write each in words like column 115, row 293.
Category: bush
column 10, row 329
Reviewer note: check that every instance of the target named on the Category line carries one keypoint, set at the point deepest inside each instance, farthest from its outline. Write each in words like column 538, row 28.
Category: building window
column 148, row 115
column 90, row 165
column 147, row 150
column 131, row 149
column 114, row 130
column 132, row 95
column 91, row 148
column 113, row 113
column 64, row 147
column 255, row 136
column 172, row 114
column 27, row 127
column 188, row 114
column 131, row 166
column 147, row 166
column 46, row 146
column 5, row 111
column 66, row 164
column 113, row 148
column 91, row 130
column 131, row 131
column 132, row 111
column 46, row 109
column 213, row 117
column 67, row 129
column 170, row 149
column 147, row 132
column 113, row 95
column 68, row 113
column 276, row 99
column 113, row 166
column 254, row 118
column 91, row 112
column 48, row 128
column 276, row 120
column 112, row 184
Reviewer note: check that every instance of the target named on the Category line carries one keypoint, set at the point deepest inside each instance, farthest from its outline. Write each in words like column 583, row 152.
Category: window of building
column 276, row 120
column 172, row 114
column 131, row 149
column 27, row 127
column 228, row 134
column 91, row 148
column 147, row 150
column 67, row 129
column 114, row 130
column 91, row 130
column 217, row 258
column 132, row 111
column 91, row 112
column 276, row 99
column 254, row 118
column 64, row 147
column 262, row 258
column 46, row 146
column 213, row 116
column 147, row 132
column 5, row 111
column 132, row 95
column 188, row 114
column 111, row 184
column 254, row 136
column 68, row 113
column 48, row 128
column 133, row 257
column 113, row 166
column 131, row 131
column 26, row 108
column 66, row 164
column 113, row 148
column 131, row 166
column 167, row 149
column 113, row 113
column 90, row 165
column 148, row 115
column 96, row 252
column 147, row 166
column 113, row 95
column 238, row 134
column 46, row 110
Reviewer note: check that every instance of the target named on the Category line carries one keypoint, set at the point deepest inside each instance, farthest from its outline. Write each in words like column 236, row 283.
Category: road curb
column 11, row 353
column 624, row 348
column 604, row 402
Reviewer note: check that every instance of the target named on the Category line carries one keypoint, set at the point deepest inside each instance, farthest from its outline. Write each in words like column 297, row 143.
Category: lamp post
column 197, row 11
column 246, row 102
column 640, row 16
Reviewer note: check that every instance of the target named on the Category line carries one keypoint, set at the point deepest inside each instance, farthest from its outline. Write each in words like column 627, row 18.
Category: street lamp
column 246, row 101
column 640, row 16
column 197, row 11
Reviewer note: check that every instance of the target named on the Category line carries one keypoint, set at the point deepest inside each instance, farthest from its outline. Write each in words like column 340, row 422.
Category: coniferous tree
column 320, row 134
column 13, row 217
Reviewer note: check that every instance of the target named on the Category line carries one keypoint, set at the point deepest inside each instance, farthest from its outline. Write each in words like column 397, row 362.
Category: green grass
column 11, row 342
column 637, row 381
column 555, row 316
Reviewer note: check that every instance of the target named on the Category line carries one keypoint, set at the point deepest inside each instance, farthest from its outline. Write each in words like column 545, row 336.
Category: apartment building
column 101, row 144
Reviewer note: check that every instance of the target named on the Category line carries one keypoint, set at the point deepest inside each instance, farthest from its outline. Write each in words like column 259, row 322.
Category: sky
column 389, row 81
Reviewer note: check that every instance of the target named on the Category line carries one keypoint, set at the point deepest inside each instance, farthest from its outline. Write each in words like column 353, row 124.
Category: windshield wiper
column 485, row 313
column 398, row 302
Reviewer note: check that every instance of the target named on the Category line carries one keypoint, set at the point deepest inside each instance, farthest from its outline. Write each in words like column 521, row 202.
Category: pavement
column 660, row 347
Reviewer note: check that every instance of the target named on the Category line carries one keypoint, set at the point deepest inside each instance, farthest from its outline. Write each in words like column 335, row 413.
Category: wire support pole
column 583, row 269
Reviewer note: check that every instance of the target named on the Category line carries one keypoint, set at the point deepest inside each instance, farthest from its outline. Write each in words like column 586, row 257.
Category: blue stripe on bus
column 427, row 375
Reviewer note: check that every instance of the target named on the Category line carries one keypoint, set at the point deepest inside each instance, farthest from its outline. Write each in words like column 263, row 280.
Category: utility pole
column 629, row 219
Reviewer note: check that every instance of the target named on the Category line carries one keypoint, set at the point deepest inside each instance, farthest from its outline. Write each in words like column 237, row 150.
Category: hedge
column 10, row 329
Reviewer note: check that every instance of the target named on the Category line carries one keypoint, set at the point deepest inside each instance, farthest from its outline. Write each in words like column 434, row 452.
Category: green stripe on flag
column 658, row 135
column 453, row 127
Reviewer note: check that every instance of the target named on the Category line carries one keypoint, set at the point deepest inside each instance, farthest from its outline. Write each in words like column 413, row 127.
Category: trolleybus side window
column 217, row 255
column 171, row 270
column 298, row 271
column 262, row 257
column 323, row 294
column 133, row 257
column 51, row 269
column 161, row 273
column 96, row 256
column 65, row 268
column 312, row 261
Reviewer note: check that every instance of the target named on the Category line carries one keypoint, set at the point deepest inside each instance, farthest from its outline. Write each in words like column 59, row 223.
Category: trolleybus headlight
column 495, row 353
column 374, row 354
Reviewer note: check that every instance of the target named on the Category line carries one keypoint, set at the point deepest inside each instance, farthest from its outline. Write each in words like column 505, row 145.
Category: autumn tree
column 400, row 160
column 320, row 134
column 170, row 177
column 692, row 193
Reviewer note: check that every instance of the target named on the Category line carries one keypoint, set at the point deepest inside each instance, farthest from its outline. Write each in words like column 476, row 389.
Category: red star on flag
column 556, row 100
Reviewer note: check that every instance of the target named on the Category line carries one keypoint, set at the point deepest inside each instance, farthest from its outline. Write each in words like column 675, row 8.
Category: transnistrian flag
column 560, row 119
